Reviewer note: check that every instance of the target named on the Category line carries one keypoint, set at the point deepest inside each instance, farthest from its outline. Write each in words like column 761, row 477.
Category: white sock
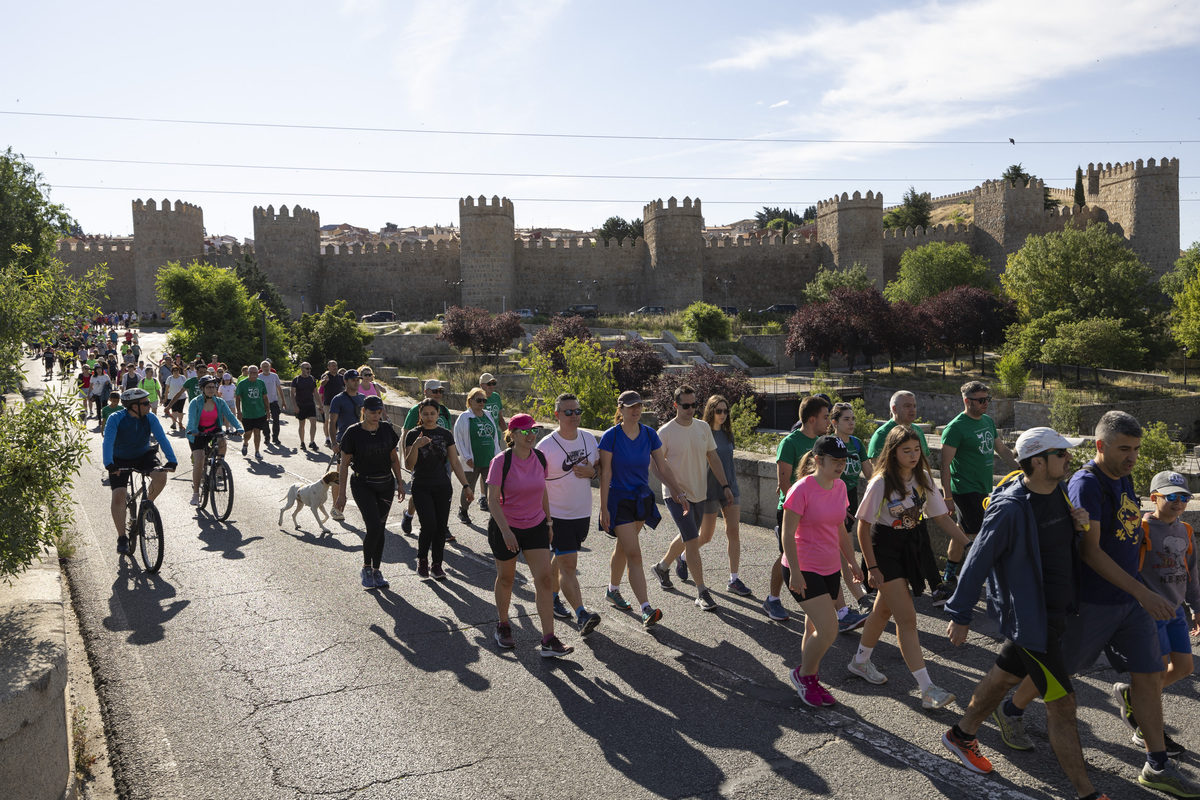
column 408, row 515
column 923, row 679
column 683, row 557
column 645, row 607
column 772, row 597
column 732, row 577
column 863, row 655
column 612, row 588
column 843, row 611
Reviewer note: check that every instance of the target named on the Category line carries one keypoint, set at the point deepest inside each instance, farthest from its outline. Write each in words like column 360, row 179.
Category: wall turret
column 161, row 235
column 1143, row 199
column 287, row 247
column 487, row 272
column 850, row 229
column 675, row 243
column 1005, row 215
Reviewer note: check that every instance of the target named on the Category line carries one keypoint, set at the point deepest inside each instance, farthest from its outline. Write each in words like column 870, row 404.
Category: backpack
column 1012, row 476
column 1145, row 545
column 507, row 465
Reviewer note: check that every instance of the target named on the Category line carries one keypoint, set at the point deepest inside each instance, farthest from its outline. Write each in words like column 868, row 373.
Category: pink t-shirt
column 523, row 489
column 821, row 512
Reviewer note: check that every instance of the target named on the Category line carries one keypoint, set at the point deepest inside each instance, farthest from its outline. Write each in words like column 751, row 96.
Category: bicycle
column 143, row 525
column 217, row 481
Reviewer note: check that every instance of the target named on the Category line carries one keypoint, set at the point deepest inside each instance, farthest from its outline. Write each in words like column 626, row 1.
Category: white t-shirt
column 227, row 392
column 898, row 512
column 570, row 496
column 175, row 386
column 272, row 382
column 686, row 451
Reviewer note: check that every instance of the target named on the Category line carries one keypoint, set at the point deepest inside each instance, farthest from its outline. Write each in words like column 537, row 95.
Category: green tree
column 587, row 373
column 1080, row 196
column 1096, row 343
column 619, row 228
column 28, row 220
column 768, row 213
column 826, row 280
column 780, row 224
column 1187, row 269
column 1025, row 339
column 933, row 268
column 332, row 334
column 255, row 281
column 810, row 214
column 213, row 313
column 1017, row 173
column 703, row 322
column 914, row 212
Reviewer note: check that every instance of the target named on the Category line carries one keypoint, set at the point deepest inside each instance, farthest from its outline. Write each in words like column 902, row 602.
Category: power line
column 741, row 178
column 599, row 136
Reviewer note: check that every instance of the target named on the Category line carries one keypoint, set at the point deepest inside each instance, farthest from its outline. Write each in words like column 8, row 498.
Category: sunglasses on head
column 570, row 412
column 1175, row 497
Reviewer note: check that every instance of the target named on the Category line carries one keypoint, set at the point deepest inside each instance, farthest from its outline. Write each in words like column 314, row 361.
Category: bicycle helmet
column 133, row 395
column 205, row 381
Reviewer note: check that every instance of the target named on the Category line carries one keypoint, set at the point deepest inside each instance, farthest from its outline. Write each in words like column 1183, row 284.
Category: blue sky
column 884, row 88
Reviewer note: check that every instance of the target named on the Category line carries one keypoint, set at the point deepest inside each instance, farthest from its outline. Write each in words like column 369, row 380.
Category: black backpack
column 507, row 465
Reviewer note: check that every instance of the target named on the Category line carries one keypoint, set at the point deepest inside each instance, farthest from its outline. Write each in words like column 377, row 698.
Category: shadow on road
column 141, row 603
column 413, row 637
column 222, row 537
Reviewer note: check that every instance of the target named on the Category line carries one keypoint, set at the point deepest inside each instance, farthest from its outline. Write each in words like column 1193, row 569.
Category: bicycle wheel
column 152, row 537
column 131, row 519
column 205, row 485
column 222, row 491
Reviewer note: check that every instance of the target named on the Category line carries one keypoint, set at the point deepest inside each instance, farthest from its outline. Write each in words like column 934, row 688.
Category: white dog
column 312, row 495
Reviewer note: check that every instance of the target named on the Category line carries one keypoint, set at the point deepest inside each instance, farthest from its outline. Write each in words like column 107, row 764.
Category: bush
column 332, row 334
column 586, row 372
column 707, row 381
column 1096, row 343
column 475, row 329
column 636, row 364
column 1010, row 369
column 1158, row 453
column 703, row 322
column 1064, row 413
column 864, row 421
column 550, row 340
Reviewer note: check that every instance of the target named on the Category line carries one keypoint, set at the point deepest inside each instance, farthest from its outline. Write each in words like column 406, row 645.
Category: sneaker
column 1169, row 779
column 258, row 455
column 867, row 671
column 406, row 524
column 1174, row 748
column 328, row 442
column 504, row 636
column 740, row 589
column 1012, row 730
column 775, row 609
column 338, row 515
column 553, row 648
column 195, row 501
column 935, row 697
column 122, row 545
column 851, row 622
column 967, row 752
column 866, row 603
column 483, row 506
column 663, row 575
column 614, row 597
column 588, row 622
column 276, row 442
column 650, row 618
column 1124, row 704
column 705, row 601
column 943, row 592
column 561, row 611
column 436, row 571
column 826, row 697
column 368, row 578
column 463, row 516
column 380, row 581
column 681, row 568
column 806, row 687
column 245, row 449
column 450, row 538
column 422, row 569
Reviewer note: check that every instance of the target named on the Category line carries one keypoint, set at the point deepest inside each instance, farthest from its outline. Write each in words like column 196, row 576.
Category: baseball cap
column 1039, row 440
column 522, row 422
column 630, row 398
column 373, row 403
column 432, row 384
column 1168, row 482
column 486, row 377
column 830, row 446
column 350, row 374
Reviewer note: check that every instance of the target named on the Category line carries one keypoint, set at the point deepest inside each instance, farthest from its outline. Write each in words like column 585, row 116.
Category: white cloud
column 780, row 104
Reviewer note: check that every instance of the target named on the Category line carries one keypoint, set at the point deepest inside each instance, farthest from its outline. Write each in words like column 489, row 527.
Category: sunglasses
column 490, row 383
column 571, row 412
column 720, row 410
column 436, row 391
column 840, row 406
column 524, row 431
column 1061, row 453
column 366, row 374
column 1175, row 497
column 479, row 400
column 142, row 403
column 688, row 405
column 983, row 401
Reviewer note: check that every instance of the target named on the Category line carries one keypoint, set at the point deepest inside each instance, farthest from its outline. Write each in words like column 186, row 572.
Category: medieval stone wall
column 80, row 258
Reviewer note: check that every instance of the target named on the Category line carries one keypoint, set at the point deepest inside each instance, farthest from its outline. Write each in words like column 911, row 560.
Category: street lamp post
column 450, row 286
column 1185, row 352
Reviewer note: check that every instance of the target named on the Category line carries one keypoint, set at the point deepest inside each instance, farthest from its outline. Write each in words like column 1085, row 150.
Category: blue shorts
column 1126, row 633
column 689, row 526
column 1174, row 635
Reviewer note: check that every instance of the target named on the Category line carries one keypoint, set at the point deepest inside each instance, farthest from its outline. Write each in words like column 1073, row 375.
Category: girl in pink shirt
column 814, row 541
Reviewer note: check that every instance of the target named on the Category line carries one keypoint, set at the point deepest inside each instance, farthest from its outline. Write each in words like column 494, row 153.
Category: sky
column 370, row 111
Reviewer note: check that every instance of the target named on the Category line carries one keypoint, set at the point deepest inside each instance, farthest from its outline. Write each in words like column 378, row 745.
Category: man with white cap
column 1026, row 553
column 494, row 405
column 434, row 390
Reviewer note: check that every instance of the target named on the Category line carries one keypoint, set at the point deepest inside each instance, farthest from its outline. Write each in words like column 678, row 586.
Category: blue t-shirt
column 1120, row 531
column 630, row 457
column 346, row 407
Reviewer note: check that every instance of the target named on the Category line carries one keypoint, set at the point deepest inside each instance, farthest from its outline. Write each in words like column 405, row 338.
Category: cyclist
column 127, row 444
column 205, row 417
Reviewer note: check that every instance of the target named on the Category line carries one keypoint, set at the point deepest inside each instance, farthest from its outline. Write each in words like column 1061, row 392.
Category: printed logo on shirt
column 987, row 442
column 910, row 516
column 1171, row 553
column 1129, row 520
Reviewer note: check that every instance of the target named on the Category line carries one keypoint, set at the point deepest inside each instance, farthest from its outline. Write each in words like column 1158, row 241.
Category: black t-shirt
column 1056, row 541
column 431, row 459
column 303, row 387
column 370, row 451
column 334, row 385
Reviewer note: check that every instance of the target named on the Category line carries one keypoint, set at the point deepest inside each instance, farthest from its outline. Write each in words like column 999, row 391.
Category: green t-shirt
column 791, row 450
column 880, row 436
column 254, row 398
column 150, row 386
column 853, row 464
column 975, row 443
column 483, row 444
column 192, row 387
column 494, row 405
column 106, row 412
column 412, row 418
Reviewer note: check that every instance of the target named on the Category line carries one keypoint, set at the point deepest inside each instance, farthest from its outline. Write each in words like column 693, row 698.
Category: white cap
column 432, row 384
column 1039, row 440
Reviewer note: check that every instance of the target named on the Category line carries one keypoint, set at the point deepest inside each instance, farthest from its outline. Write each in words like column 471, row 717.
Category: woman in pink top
column 814, row 513
column 520, row 522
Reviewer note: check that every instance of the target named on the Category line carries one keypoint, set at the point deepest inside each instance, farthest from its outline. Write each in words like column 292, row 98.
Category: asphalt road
column 254, row 665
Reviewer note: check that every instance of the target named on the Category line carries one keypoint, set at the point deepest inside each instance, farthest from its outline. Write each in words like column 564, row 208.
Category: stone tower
column 1005, row 215
column 288, row 249
column 674, row 238
column 850, row 229
column 161, row 235
column 1144, row 201
column 486, row 266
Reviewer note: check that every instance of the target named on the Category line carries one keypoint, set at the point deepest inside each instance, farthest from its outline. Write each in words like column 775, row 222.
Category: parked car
column 524, row 313
column 648, row 310
column 730, row 310
column 780, row 308
column 582, row 310
column 378, row 316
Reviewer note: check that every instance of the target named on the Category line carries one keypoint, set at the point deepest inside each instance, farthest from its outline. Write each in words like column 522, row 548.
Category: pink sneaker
column 826, row 697
column 808, row 688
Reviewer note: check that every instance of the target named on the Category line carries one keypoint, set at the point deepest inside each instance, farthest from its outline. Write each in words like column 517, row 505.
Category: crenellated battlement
column 395, row 249
column 297, row 216
column 100, row 246
column 656, row 208
column 181, row 207
column 793, row 239
column 500, row 206
column 999, row 187
column 578, row 243
column 938, row 232
column 847, row 201
column 1129, row 169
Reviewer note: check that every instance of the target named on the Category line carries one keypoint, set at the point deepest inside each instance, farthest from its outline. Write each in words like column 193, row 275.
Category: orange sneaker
column 967, row 752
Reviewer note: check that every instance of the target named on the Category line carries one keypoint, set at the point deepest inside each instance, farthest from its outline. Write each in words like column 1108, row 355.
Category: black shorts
column 201, row 441
column 1047, row 670
column 569, row 535
column 258, row 423
column 535, row 538
column 815, row 585
column 304, row 412
column 177, row 406
column 896, row 552
column 148, row 461
column 779, row 529
column 969, row 506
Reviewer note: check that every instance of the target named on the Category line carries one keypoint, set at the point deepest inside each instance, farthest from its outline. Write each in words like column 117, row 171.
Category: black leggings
column 433, row 511
column 274, row 408
column 373, row 496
